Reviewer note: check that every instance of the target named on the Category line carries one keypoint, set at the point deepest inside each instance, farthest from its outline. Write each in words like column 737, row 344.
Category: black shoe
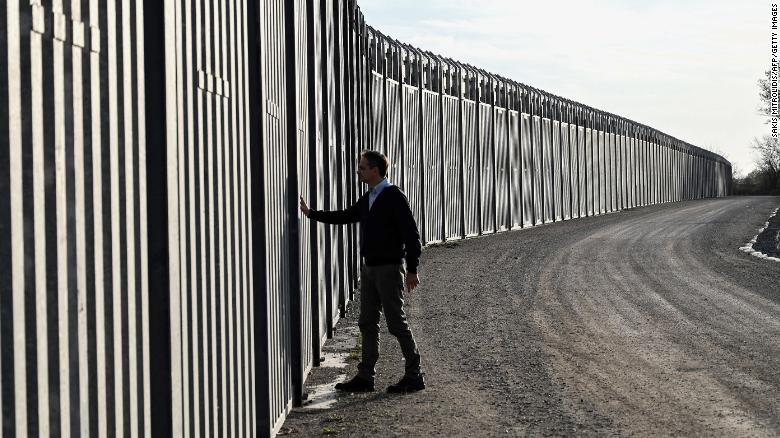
column 357, row 384
column 407, row 384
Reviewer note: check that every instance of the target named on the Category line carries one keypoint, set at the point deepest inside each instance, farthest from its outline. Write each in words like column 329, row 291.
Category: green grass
column 357, row 351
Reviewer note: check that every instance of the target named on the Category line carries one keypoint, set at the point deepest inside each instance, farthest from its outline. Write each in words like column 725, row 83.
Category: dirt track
column 642, row 322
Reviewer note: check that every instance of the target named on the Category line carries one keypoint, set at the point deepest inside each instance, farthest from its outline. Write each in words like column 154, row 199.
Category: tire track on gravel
column 664, row 335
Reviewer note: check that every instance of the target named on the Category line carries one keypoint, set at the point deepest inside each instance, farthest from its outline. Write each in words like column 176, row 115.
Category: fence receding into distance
column 156, row 276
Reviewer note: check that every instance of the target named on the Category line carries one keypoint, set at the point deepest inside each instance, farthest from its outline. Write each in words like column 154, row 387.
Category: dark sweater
column 388, row 232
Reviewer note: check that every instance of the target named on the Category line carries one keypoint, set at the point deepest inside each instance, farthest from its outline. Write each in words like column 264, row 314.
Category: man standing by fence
column 388, row 235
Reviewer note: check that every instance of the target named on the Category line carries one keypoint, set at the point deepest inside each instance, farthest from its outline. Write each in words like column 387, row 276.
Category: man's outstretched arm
column 348, row 216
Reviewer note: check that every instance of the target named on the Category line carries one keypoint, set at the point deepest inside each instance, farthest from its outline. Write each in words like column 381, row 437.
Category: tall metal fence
column 155, row 274
column 74, row 296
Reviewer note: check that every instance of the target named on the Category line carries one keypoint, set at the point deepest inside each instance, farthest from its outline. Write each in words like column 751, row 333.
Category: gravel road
column 645, row 322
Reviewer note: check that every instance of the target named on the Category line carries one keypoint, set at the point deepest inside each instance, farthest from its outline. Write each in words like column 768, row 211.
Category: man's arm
column 411, row 237
column 348, row 216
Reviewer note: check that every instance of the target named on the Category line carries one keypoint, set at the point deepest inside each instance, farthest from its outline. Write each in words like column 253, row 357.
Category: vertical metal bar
column 461, row 154
column 369, row 81
column 492, row 156
column 222, row 243
column 185, row 72
column 313, row 50
column 232, row 186
column 79, row 247
column 116, row 262
column 340, row 154
column 61, row 235
column 210, row 61
column 97, row 19
column 351, row 127
column 258, row 122
column 248, row 106
column 7, row 263
column 129, row 306
column 423, row 224
column 382, row 56
column 326, row 128
column 566, row 183
column 12, row 317
column 574, row 160
column 159, row 81
column 507, row 166
column 401, row 160
column 443, row 225
column 47, row 393
column 290, row 203
column 143, row 289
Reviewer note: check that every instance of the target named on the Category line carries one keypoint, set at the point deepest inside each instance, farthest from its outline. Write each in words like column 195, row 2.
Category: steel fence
column 155, row 274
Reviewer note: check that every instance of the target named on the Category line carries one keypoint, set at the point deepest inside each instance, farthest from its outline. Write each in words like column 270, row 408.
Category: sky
column 688, row 68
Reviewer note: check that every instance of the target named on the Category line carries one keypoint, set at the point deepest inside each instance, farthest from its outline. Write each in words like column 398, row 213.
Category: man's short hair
column 378, row 160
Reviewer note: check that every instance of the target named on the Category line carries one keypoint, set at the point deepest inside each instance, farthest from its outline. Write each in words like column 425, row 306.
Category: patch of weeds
column 334, row 419
column 445, row 244
column 356, row 352
column 329, row 431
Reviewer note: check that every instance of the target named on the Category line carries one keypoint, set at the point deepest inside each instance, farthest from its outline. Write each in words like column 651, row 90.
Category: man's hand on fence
column 304, row 208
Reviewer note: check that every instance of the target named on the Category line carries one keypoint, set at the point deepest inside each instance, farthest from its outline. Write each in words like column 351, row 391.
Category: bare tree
column 766, row 178
column 765, row 94
column 768, row 150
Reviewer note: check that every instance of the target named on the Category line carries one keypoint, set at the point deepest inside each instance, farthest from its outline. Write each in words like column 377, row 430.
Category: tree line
column 765, row 179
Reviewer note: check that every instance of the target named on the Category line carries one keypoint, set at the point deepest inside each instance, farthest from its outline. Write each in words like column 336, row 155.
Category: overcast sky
column 687, row 68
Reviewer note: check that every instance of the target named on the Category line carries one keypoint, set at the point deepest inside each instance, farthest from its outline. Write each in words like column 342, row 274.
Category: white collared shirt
column 376, row 191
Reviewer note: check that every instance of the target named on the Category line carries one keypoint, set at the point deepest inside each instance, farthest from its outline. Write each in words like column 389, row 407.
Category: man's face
column 366, row 173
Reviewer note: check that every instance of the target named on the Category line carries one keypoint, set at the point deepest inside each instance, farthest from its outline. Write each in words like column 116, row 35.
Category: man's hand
column 304, row 208
column 412, row 281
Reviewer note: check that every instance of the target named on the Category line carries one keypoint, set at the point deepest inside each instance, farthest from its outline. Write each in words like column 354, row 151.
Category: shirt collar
column 381, row 186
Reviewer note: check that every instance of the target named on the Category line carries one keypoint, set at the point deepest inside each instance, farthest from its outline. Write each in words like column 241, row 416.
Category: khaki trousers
column 382, row 288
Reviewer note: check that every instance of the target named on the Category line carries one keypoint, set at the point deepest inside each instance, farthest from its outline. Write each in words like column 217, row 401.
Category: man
column 388, row 235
